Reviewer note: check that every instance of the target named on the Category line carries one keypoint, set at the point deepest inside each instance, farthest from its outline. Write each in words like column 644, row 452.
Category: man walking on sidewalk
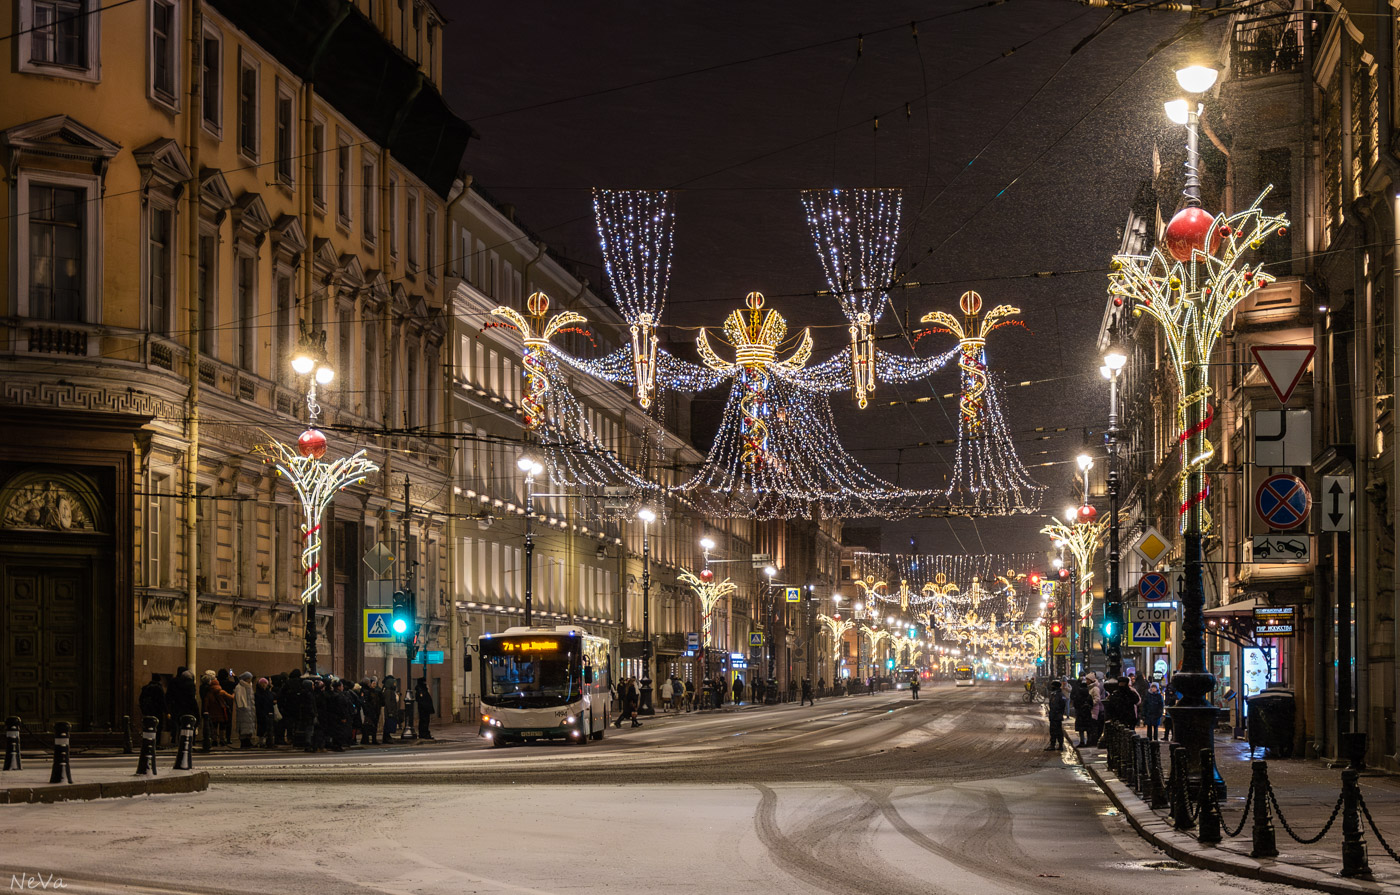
column 1055, row 708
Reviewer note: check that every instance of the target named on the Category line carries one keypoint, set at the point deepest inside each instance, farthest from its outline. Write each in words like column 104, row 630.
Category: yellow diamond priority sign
column 1152, row 546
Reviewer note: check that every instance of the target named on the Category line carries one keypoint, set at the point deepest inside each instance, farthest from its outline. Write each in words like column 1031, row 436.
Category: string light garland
column 635, row 228
column 1083, row 538
column 710, row 593
column 856, row 234
column 535, row 335
column 1191, row 289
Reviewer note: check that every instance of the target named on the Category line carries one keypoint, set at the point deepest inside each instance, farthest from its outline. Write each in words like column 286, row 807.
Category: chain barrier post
column 147, row 763
column 12, row 759
column 184, row 746
column 1209, row 809
column 61, row 768
column 1354, row 861
column 1143, row 784
column 207, row 745
column 1265, row 845
column 1181, row 808
column 1158, row 799
column 1128, row 759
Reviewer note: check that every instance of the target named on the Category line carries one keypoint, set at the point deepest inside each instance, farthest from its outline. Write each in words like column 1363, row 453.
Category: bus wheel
column 598, row 734
column 587, row 730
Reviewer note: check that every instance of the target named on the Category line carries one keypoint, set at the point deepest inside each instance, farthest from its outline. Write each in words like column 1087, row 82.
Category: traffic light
column 402, row 620
column 889, row 663
column 413, row 648
column 1112, row 617
column 1034, row 579
column 913, row 632
column 1055, row 629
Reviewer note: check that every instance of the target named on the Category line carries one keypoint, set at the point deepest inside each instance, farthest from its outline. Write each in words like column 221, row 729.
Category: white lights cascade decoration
column 316, row 483
column 857, row 233
column 777, row 453
column 1082, row 538
column 836, row 629
column 987, row 473
column 1191, row 289
column 710, row 593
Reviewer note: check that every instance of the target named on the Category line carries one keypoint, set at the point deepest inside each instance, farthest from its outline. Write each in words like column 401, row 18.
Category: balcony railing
column 1269, row 45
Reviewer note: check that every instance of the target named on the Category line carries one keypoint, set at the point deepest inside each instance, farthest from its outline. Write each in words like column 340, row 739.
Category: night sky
column 1011, row 163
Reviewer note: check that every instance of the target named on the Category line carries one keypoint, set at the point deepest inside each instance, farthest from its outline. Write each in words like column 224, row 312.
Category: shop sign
column 1274, row 621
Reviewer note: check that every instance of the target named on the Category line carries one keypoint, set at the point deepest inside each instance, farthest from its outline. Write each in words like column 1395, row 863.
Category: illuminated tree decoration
column 710, row 593
column 1191, row 298
column 987, row 473
column 534, row 336
column 856, row 233
column 836, row 628
column 635, row 228
column 1083, row 539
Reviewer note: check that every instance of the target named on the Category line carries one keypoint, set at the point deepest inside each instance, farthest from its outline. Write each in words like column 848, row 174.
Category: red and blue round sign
column 1283, row 502
column 1154, row 587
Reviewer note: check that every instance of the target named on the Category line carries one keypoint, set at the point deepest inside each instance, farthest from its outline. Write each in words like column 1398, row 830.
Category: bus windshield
column 530, row 673
column 963, row 672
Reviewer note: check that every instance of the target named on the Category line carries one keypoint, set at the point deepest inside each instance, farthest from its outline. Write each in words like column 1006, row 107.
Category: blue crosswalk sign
column 1146, row 634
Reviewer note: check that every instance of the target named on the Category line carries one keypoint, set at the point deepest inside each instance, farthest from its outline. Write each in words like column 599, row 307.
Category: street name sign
column 432, row 657
column 1282, row 502
column 692, row 639
column 1335, row 510
column 377, row 626
column 1147, row 634
column 1294, row 548
column 1283, row 366
column 1274, row 621
column 1152, row 546
column 1283, row 438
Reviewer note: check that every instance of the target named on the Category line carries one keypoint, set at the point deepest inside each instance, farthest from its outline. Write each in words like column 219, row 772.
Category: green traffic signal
column 400, row 626
column 402, row 622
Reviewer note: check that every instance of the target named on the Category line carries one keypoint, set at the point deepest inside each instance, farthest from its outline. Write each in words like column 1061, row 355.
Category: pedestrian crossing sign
column 1062, row 646
column 1147, row 634
column 377, row 626
column 755, row 638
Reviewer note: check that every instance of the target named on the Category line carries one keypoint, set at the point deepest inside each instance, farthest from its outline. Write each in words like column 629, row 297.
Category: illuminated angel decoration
column 535, row 335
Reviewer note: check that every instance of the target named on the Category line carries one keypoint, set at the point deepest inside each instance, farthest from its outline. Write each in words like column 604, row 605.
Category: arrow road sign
column 1283, row 366
column 1294, row 547
column 1154, row 587
column 1336, row 503
column 1282, row 501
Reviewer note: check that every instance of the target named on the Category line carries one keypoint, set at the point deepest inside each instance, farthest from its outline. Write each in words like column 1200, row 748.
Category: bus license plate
column 532, row 733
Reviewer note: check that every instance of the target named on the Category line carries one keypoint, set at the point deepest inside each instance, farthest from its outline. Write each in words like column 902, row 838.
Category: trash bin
column 1271, row 722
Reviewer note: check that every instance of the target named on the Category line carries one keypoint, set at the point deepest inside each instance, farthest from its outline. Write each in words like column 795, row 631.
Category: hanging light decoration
column 534, row 336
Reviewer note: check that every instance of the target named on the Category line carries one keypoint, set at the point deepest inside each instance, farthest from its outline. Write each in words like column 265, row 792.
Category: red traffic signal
column 1034, row 579
column 1055, row 629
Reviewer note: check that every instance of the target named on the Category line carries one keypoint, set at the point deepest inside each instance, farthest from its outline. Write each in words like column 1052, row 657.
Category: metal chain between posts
column 1336, row 810
column 1374, row 829
column 1248, row 803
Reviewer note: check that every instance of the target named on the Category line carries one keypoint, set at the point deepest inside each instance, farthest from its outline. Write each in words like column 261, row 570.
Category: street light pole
column 768, row 610
column 531, row 467
column 1113, row 593
column 647, row 517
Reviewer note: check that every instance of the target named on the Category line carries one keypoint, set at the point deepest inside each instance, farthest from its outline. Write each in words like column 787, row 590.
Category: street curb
column 1150, row 826
column 110, row 789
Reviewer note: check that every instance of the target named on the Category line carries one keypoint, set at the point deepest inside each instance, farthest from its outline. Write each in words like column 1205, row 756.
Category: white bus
column 964, row 675
column 544, row 684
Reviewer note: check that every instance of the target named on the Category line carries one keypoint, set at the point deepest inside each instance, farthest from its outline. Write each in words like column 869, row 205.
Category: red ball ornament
column 1282, row 231
column 312, row 443
column 1187, row 231
column 1118, row 302
column 707, row 575
column 1087, row 513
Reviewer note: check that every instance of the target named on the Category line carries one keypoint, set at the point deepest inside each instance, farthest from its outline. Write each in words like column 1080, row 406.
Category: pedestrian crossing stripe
column 1146, row 634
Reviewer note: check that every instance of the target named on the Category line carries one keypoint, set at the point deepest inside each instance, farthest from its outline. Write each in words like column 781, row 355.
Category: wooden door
column 42, row 654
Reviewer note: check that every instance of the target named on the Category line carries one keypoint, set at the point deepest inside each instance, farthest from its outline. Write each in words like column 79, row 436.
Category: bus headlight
column 570, row 720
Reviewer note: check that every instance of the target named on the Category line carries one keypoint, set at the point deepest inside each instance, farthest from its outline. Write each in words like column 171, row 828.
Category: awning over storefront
column 1243, row 606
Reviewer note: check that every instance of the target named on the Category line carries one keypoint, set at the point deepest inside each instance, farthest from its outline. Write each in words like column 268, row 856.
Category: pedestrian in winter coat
column 807, row 691
column 666, row 694
column 218, row 704
column 689, row 695
column 1055, row 711
column 391, row 706
column 265, row 708
column 306, row 728
column 1083, row 703
column 1153, row 705
column 289, row 702
column 1169, row 700
column 182, row 699
column 677, row 694
column 372, row 704
column 229, row 683
column 425, row 708
column 914, row 686
column 739, row 691
column 1097, row 709
column 244, row 711
column 1123, row 704
column 152, row 702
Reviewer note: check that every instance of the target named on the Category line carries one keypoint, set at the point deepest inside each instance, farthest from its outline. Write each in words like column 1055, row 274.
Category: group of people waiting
column 313, row 712
column 1134, row 701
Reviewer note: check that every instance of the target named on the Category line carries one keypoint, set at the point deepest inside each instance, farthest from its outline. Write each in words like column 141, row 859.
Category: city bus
column 905, row 676
column 544, row 684
column 964, row 675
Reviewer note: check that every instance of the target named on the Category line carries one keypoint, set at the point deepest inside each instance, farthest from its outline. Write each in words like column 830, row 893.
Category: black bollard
column 184, row 744
column 12, row 759
column 1209, row 810
column 1140, row 764
column 1265, row 845
column 126, row 735
column 207, row 745
column 1110, row 746
column 1158, row 799
column 1181, row 806
column 61, row 768
column 147, row 763
column 1354, row 862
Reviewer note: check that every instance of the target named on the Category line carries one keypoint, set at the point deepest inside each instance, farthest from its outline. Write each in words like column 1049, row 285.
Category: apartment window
column 393, row 212
column 211, row 83
column 160, row 244
column 430, row 241
column 248, row 107
column 342, row 181
column 58, row 37
column 318, row 164
column 57, row 250
column 286, row 125
column 286, row 332
column 345, row 362
column 165, row 38
column 159, row 522
column 371, row 380
column 247, row 291
column 411, row 220
column 208, row 299
column 367, row 189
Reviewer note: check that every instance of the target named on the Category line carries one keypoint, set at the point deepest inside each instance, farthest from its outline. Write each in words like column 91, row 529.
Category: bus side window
column 587, row 674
